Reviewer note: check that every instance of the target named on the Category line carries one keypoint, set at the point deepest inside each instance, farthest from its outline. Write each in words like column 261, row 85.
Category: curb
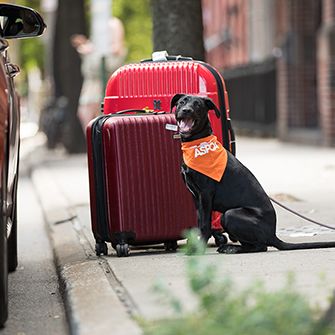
column 92, row 303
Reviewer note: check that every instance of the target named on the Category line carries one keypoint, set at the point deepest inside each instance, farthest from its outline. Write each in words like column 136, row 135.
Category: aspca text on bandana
column 204, row 148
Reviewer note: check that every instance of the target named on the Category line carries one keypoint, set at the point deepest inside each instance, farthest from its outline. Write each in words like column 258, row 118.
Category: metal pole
column 100, row 36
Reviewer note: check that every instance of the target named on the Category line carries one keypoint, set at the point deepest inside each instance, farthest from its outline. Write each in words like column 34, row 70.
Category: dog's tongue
column 185, row 125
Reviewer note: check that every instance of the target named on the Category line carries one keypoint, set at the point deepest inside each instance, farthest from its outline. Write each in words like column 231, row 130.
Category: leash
column 300, row 215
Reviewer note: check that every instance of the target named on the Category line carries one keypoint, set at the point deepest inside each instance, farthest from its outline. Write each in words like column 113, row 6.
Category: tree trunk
column 177, row 27
column 70, row 19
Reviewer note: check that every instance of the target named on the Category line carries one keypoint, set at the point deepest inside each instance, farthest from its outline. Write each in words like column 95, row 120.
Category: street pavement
column 108, row 294
column 35, row 304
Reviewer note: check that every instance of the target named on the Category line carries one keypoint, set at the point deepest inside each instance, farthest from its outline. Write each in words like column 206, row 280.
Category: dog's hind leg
column 244, row 225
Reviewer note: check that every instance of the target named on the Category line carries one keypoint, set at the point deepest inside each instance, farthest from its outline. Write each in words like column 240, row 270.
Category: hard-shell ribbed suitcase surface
column 151, row 85
column 145, row 197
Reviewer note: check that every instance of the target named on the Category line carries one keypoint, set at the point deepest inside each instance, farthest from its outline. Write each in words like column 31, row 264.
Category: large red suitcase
column 137, row 195
column 150, row 85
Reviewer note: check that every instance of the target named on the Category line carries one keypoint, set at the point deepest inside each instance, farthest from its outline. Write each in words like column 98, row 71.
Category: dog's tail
column 281, row 245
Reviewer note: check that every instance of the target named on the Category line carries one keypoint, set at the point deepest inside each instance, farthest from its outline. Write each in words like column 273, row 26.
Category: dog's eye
column 196, row 103
column 182, row 102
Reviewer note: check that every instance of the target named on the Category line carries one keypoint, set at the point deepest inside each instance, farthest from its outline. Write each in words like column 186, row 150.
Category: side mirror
column 20, row 22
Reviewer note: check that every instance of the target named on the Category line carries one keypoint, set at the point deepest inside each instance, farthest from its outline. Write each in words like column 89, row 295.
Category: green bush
column 32, row 49
column 223, row 309
column 136, row 17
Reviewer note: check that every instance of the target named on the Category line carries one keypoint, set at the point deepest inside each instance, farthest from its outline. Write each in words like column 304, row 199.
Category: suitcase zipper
column 99, row 179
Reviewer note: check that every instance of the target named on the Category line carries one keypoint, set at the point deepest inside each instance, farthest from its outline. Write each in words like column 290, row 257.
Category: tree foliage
column 136, row 17
column 31, row 50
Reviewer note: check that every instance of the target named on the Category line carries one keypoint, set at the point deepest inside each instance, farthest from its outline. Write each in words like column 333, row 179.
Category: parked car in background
column 15, row 22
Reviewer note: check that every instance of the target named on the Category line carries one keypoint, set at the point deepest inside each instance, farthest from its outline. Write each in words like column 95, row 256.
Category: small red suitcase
column 137, row 195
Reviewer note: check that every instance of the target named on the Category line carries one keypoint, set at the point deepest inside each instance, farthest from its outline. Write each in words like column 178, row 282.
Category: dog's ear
column 174, row 100
column 211, row 106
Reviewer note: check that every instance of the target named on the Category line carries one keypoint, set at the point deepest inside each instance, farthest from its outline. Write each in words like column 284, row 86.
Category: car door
column 15, row 22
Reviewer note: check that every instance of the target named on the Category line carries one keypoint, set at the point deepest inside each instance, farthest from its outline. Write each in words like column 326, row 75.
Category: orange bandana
column 206, row 156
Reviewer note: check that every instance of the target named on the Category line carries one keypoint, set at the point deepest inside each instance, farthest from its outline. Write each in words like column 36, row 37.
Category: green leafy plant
column 222, row 309
column 136, row 17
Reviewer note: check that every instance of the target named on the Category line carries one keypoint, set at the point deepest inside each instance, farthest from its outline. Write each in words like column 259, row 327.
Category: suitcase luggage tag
column 173, row 127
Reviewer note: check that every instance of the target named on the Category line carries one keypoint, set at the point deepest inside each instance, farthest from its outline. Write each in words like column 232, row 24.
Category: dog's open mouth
column 185, row 125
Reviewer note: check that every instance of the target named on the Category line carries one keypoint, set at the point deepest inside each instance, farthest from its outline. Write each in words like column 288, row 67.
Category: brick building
column 278, row 60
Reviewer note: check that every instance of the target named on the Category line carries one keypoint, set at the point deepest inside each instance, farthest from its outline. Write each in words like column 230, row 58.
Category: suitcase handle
column 169, row 59
column 232, row 141
column 138, row 111
column 162, row 56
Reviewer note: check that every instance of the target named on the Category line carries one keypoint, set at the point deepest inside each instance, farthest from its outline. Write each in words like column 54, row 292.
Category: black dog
column 248, row 215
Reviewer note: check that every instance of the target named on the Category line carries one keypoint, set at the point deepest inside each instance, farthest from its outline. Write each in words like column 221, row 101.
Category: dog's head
column 192, row 114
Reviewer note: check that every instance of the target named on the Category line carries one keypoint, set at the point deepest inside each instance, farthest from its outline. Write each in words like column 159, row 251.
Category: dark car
column 15, row 22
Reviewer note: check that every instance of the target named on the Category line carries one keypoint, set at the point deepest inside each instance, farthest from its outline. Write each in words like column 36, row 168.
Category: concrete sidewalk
column 105, row 294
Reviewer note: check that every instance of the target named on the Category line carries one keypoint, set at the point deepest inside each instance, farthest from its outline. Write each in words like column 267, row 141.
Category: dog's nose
column 186, row 110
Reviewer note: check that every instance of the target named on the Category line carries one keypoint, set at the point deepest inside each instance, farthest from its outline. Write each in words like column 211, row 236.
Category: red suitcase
column 137, row 195
column 151, row 84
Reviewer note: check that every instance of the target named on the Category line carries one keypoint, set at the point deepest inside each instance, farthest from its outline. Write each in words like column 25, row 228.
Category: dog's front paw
column 220, row 239
column 228, row 249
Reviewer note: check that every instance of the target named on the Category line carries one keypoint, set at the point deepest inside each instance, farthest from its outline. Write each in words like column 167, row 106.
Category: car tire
column 3, row 282
column 12, row 247
column 3, row 260
column 12, row 239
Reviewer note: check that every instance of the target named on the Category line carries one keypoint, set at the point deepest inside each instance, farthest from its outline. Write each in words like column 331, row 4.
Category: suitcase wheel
column 171, row 246
column 122, row 250
column 101, row 248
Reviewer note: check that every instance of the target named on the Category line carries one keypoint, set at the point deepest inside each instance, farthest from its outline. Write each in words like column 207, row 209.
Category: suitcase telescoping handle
column 138, row 111
column 163, row 56
column 232, row 141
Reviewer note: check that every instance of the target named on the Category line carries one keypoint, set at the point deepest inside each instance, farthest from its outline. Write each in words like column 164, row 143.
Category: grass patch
column 222, row 309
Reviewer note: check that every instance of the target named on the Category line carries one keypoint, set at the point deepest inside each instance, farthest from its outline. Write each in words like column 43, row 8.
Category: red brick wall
column 296, row 68
column 305, row 40
column 306, row 89
column 326, row 72
column 225, row 25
